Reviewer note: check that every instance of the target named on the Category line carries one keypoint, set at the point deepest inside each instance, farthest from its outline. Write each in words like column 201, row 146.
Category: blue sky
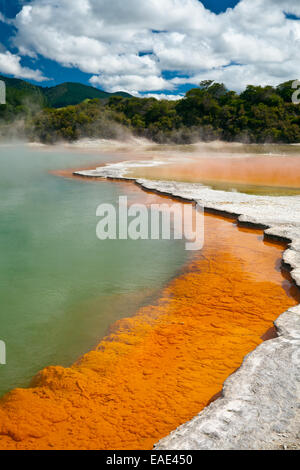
column 150, row 48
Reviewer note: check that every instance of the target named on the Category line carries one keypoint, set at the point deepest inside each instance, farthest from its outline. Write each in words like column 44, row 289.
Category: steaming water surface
column 60, row 287
column 272, row 170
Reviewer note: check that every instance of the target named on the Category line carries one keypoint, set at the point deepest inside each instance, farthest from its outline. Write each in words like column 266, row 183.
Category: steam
column 17, row 127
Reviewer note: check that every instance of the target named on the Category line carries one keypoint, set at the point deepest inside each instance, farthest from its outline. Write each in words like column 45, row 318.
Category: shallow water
column 261, row 170
column 161, row 367
column 60, row 287
column 156, row 369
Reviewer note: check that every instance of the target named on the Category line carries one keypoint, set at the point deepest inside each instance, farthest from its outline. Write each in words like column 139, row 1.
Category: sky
column 156, row 48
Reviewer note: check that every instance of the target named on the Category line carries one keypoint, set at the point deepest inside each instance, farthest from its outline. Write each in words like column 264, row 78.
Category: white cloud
column 127, row 45
column 161, row 96
column 238, row 77
column 10, row 65
column 5, row 20
column 130, row 83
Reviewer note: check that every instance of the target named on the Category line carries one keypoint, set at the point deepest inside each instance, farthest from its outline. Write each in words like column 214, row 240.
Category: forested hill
column 208, row 112
column 20, row 91
column 74, row 93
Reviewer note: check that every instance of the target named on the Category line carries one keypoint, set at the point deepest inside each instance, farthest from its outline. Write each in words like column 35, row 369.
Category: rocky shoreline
column 260, row 403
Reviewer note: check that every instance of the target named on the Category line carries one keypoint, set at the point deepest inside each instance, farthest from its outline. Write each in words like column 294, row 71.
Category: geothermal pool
column 60, row 288
column 185, row 322
column 253, row 169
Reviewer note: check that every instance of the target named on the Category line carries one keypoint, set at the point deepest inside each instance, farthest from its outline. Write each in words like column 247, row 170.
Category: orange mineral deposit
column 276, row 171
column 161, row 367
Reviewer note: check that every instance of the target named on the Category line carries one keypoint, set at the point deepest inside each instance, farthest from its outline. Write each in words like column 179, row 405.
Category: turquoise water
column 60, row 287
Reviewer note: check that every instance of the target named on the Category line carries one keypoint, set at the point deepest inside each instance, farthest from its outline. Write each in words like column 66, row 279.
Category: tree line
column 208, row 112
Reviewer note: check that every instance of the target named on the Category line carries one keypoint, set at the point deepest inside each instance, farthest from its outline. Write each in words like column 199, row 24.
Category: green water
column 60, row 287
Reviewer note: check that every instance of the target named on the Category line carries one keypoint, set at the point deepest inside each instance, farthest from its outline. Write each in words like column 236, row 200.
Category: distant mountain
column 74, row 93
column 20, row 91
column 57, row 97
